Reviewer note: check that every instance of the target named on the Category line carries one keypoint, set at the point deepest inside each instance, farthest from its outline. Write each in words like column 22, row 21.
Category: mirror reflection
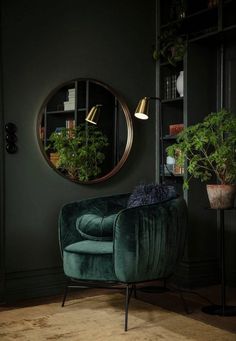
column 85, row 131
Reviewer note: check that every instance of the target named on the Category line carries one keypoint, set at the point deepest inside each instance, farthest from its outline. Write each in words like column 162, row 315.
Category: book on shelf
column 71, row 93
column 70, row 124
column 69, row 105
column 170, row 87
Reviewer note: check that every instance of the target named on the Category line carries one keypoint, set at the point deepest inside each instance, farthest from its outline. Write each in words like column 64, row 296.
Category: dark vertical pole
column 220, row 15
column 222, row 76
column 76, row 103
column 222, row 260
column 161, row 144
column 158, row 175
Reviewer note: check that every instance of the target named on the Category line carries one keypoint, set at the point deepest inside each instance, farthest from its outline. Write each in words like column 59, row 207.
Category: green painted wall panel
column 46, row 43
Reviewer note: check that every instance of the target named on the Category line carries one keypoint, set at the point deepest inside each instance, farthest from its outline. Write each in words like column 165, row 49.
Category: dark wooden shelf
column 204, row 36
column 178, row 65
column 190, row 16
column 169, row 137
column 180, row 176
column 202, row 12
column 172, row 23
column 229, row 28
column 60, row 112
column 172, row 100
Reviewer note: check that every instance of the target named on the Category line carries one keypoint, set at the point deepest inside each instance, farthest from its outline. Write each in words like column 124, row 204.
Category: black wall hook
column 11, row 138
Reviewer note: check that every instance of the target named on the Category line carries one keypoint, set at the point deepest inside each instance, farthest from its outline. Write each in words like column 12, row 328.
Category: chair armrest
column 69, row 213
column 149, row 240
column 67, row 225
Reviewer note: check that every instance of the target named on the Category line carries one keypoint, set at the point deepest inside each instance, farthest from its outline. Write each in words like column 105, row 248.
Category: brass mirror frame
column 128, row 123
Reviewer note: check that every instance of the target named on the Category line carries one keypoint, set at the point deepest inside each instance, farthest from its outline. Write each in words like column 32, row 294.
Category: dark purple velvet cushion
column 151, row 194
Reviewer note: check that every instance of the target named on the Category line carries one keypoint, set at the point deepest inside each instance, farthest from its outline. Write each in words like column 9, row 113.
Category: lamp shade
column 142, row 109
column 94, row 113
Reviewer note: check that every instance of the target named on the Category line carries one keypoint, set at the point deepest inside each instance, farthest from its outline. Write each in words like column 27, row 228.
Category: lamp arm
column 158, row 98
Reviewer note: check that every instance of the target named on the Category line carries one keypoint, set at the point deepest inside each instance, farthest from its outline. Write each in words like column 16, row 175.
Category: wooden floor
column 196, row 299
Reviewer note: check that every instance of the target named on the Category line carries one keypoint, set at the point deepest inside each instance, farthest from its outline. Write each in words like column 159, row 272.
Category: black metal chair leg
column 130, row 292
column 65, row 294
column 127, row 299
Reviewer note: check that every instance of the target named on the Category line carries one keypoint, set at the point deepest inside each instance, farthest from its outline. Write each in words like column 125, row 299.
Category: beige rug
column 101, row 318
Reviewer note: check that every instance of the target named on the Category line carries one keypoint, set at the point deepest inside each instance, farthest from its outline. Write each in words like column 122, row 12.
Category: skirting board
column 197, row 273
column 34, row 283
column 51, row 281
column 200, row 273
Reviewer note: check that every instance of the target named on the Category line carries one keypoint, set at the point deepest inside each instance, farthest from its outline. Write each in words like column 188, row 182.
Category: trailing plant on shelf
column 210, row 150
column 80, row 151
column 172, row 47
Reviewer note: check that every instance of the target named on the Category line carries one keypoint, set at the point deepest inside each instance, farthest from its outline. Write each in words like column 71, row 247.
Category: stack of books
column 170, row 87
column 70, row 103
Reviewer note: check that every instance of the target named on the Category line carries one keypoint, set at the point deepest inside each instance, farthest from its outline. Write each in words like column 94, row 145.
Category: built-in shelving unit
column 209, row 30
column 204, row 24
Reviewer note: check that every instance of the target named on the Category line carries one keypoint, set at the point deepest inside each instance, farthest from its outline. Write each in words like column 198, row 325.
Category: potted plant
column 210, row 150
column 79, row 150
column 172, row 46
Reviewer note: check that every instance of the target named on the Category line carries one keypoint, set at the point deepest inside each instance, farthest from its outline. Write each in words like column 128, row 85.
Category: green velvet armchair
column 101, row 240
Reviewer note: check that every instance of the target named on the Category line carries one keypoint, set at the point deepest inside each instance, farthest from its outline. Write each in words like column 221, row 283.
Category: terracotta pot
column 221, row 196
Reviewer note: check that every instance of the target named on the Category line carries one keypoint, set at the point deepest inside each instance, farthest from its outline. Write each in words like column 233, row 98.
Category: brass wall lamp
column 142, row 112
column 94, row 113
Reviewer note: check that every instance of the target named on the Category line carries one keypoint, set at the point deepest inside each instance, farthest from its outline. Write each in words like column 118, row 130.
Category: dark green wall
column 46, row 43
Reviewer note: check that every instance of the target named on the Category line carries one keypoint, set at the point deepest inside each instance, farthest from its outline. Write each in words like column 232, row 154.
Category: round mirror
column 85, row 131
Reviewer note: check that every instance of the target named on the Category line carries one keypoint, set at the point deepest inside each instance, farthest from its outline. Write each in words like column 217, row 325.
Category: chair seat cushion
column 96, row 227
column 90, row 247
column 89, row 260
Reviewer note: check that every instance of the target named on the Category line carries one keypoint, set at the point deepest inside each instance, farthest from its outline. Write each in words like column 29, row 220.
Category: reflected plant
column 80, row 151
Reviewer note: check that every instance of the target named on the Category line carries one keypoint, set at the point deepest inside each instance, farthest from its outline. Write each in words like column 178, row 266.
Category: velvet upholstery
column 96, row 226
column 89, row 260
column 68, row 234
column 151, row 194
column 148, row 240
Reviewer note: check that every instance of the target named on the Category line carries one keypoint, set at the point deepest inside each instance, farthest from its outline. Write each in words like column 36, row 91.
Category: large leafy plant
column 209, row 148
column 80, row 151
